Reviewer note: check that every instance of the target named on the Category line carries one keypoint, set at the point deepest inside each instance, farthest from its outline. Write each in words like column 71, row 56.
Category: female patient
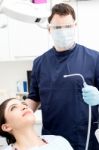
column 16, row 124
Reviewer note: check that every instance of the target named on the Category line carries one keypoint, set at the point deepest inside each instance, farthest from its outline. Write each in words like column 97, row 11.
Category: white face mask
column 63, row 38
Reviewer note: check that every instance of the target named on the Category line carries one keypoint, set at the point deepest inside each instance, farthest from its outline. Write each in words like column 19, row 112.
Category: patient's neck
column 27, row 138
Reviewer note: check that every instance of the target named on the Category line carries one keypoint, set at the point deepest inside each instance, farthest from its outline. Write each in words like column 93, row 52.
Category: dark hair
column 62, row 9
column 9, row 137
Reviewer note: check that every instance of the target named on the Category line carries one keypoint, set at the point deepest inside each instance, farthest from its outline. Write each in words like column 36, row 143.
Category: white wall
column 88, row 23
column 10, row 73
column 88, row 30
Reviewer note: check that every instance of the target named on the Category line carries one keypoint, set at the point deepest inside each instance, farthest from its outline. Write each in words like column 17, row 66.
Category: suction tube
column 89, row 118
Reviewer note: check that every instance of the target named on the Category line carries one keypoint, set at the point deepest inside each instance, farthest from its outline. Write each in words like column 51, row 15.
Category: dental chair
column 97, row 134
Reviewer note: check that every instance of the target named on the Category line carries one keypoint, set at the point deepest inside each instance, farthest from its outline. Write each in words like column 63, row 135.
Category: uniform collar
column 65, row 52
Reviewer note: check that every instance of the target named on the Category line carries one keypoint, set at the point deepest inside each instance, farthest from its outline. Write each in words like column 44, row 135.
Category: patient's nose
column 23, row 107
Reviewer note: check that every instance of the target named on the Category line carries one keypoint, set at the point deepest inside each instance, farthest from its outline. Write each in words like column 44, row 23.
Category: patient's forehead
column 14, row 102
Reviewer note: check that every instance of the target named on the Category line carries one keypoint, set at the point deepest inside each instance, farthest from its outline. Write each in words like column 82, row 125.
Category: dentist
column 64, row 111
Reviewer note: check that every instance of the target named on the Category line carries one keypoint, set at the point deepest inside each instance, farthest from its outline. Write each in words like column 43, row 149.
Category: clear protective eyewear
column 60, row 27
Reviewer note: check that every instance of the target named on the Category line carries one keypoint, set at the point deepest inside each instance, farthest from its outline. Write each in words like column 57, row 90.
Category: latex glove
column 90, row 95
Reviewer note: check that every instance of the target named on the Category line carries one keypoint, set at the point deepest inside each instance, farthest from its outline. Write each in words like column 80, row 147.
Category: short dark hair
column 62, row 9
column 9, row 137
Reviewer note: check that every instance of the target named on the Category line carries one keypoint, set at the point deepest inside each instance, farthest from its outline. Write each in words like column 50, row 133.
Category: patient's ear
column 6, row 127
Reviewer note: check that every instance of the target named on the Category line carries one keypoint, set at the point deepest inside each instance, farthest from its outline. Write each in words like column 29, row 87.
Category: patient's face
column 18, row 114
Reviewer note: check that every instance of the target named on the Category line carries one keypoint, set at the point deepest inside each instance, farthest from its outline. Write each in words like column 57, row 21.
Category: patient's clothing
column 53, row 143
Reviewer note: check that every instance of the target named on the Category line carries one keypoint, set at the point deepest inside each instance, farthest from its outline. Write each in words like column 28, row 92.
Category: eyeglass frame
column 60, row 27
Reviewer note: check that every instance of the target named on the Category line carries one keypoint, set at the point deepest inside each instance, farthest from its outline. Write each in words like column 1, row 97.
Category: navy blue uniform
column 63, row 110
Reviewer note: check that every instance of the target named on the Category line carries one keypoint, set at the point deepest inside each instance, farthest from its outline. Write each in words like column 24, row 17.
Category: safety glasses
column 60, row 27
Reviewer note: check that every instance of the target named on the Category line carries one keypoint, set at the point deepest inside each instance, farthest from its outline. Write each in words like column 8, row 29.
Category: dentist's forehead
column 62, row 19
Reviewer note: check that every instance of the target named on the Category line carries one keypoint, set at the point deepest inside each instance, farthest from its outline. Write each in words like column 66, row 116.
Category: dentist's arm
column 32, row 104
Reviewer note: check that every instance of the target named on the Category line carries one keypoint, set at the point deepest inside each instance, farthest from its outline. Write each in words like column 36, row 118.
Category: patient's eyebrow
column 9, row 108
column 24, row 103
column 15, row 104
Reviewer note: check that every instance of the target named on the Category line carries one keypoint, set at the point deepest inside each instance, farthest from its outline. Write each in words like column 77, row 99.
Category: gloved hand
column 90, row 95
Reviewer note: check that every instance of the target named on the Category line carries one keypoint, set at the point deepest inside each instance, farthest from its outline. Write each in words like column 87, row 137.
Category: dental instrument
column 89, row 118
column 24, row 10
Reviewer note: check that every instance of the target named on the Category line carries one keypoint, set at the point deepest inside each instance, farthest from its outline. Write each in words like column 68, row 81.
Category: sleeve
column 34, row 90
column 97, row 73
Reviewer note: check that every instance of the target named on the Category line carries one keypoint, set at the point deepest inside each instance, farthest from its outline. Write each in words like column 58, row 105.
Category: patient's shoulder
column 58, row 141
column 51, row 138
column 9, row 147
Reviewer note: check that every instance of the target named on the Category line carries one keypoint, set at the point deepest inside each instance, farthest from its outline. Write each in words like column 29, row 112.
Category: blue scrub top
column 63, row 110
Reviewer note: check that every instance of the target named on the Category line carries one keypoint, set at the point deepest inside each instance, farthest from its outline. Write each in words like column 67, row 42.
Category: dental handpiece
column 89, row 119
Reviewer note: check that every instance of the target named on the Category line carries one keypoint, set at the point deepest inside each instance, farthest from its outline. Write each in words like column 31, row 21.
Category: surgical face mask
column 63, row 38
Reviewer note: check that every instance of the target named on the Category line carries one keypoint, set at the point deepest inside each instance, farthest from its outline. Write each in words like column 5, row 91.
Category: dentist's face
column 62, row 29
